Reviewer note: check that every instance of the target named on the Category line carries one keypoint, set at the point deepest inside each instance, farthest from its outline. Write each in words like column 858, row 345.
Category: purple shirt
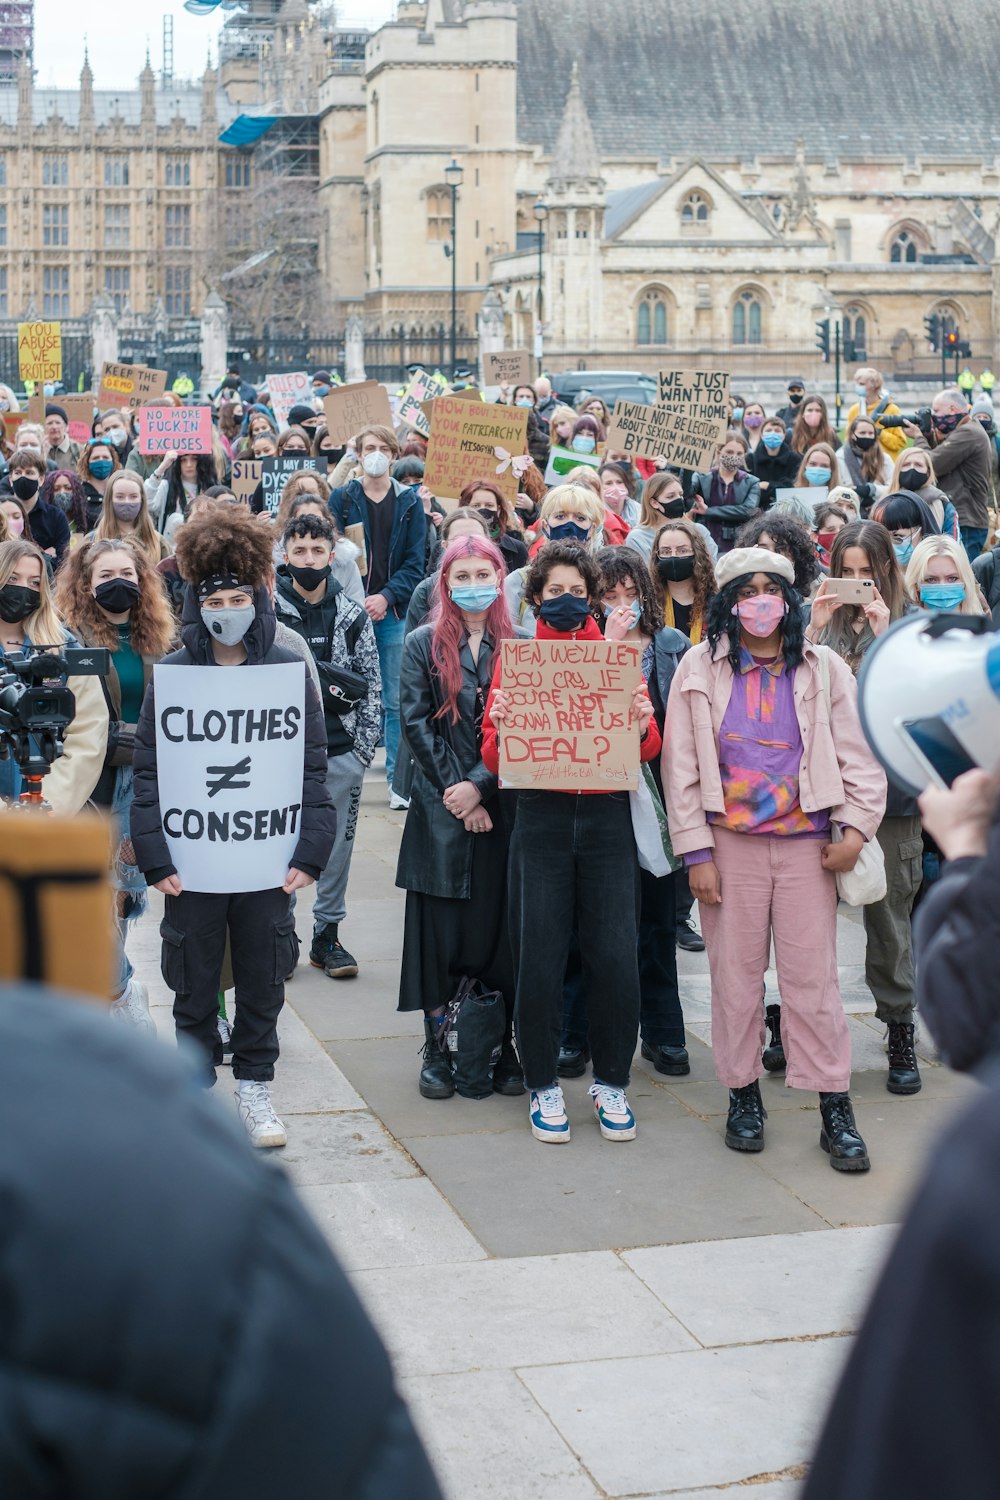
column 760, row 750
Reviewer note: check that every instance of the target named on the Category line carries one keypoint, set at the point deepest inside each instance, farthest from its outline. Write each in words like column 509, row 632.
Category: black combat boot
column 840, row 1136
column 745, row 1121
column 773, row 1055
column 436, row 1081
column 508, row 1075
column 904, row 1075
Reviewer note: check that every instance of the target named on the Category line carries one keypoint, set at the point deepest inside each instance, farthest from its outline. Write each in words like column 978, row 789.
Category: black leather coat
column 435, row 856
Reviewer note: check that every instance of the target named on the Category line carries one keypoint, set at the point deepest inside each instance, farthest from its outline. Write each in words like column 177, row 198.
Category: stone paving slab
column 404, row 1222
column 324, row 1149
column 774, row 1287
column 489, row 1439
column 499, row 1314
column 783, row 1489
column 674, row 1422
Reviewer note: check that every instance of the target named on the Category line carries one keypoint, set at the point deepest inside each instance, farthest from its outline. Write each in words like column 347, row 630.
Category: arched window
column 695, row 213
column 651, row 318
column 747, row 322
column 438, row 213
column 856, row 331
column 903, row 249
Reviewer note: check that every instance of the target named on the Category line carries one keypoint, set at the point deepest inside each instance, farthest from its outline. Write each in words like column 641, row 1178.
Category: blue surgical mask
column 101, row 467
column 635, row 607
column 476, row 598
column 772, row 441
column 567, row 612
column 568, row 531
column 860, row 390
column 817, row 476
column 584, row 442
column 737, row 414
column 903, row 551
column 321, row 390
column 942, row 595
column 524, row 401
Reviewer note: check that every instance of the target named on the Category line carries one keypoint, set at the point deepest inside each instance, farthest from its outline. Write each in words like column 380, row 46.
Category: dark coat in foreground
column 174, row 1325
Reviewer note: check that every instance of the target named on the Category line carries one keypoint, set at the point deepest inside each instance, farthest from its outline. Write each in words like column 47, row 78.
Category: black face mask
column 795, row 397
column 913, row 479
column 17, row 602
column 672, row 509
column 492, row 521
column 675, row 569
column 863, row 444
column 117, row 595
column 567, row 612
column 25, row 486
column 309, row 578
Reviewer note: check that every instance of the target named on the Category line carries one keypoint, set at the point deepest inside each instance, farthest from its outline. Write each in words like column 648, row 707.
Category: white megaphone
column 929, row 696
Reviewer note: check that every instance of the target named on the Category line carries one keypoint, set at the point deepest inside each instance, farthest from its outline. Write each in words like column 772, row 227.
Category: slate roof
column 670, row 78
column 182, row 99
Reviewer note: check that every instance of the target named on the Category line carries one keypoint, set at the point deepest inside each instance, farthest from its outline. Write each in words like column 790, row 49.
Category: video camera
column 36, row 706
column 920, row 418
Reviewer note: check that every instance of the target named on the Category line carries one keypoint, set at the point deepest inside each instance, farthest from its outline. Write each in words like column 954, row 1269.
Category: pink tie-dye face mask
column 761, row 615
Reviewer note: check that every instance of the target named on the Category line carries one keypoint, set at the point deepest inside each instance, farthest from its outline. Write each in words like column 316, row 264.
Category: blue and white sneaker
column 549, row 1121
column 613, row 1111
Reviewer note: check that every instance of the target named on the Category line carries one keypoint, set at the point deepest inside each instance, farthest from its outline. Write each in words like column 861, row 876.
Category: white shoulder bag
column 866, row 882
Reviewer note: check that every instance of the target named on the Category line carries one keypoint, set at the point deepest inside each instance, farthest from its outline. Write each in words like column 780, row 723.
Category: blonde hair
column 39, row 432
column 580, row 497
column 41, row 627
column 109, row 528
column 651, row 490
column 382, row 433
column 562, row 414
column 584, row 477
column 944, row 546
column 903, row 459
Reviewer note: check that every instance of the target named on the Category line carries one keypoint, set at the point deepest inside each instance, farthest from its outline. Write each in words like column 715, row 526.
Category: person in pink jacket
column 757, row 764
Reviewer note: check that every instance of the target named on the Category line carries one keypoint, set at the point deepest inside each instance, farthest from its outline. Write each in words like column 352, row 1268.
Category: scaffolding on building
column 17, row 34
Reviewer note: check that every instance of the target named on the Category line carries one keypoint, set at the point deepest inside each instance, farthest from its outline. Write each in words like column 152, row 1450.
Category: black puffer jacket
column 319, row 821
column 435, row 856
column 128, row 1366
column 775, row 471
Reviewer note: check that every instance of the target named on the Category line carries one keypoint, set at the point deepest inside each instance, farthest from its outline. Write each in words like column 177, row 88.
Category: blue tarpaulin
column 246, row 129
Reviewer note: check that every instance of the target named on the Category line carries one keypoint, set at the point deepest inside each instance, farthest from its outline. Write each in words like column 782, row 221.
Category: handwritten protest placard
column 245, row 477
column 568, row 724
column 79, row 415
column 129, row 386
column 175, row 429
column 39, row 351
column 686, row 425
column 422, row 387
column 351, row 407
column 288, row 391
column 276, row 472
column 507, row 367
column 472, row 440
column 563, row 461
column 230, row 752
column 11, row 422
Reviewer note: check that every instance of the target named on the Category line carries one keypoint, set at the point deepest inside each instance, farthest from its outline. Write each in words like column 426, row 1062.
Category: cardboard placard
column 351, row 407
column 129, row 386
column 39, row 351
column 812, row 494
column 410, row 412
column 36, row 408
column 79, row 415
column 288, row 391
column 685, row 426
column 175, row 429
column 245, row 477
column 11, row 422
column 230, row 753
column 473, row 440
column 568, row 724
column 467, row 393
column 507, row 367
column 563, row 461
column 276, row 472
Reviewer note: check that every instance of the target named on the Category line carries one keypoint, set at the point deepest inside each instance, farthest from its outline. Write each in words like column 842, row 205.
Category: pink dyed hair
column 448, row 622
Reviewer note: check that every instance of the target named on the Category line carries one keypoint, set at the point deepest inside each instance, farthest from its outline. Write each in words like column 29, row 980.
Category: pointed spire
column 575, row 158
column 86, row 90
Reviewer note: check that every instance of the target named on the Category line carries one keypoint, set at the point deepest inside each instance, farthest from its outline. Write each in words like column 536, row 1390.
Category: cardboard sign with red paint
column 175, row 429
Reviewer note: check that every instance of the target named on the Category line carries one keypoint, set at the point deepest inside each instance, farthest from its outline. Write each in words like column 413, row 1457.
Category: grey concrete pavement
column 659, row 1318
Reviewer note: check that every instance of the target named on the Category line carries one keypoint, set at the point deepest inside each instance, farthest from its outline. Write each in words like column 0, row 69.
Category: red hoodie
column 649, row 748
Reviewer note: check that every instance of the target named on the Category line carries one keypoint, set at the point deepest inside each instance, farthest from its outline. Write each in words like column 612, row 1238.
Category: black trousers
column 573, row 860
column 264, row 951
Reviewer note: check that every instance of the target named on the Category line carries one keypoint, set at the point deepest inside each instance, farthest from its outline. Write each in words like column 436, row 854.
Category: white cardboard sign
column 288, row 391
column 230, row 753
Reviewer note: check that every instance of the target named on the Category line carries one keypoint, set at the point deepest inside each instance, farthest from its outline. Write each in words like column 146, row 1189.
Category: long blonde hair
column 944, row 546
column 109, row 528
column 42, row 626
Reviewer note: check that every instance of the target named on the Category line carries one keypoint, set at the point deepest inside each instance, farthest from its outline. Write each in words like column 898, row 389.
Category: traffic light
column 932, row 325
column 951, row 342
column 823, row 339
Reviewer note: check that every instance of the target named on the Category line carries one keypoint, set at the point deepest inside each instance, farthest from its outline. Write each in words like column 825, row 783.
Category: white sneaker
column 132, row 1007
column 397, row 803
column 547, row 1112
column 613, row 1112
column 258, row 1116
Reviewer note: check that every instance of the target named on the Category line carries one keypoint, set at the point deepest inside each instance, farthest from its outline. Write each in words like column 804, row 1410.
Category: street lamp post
column 453, row 177
column 541, row 214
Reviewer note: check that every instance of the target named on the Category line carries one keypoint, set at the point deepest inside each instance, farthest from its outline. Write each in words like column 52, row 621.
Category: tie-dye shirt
column 760, row 749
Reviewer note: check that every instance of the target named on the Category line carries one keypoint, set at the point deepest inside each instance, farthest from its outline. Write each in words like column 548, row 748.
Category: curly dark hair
column 791, row 539
column 224, row 539
column 76, row 511
column 722, row 622
column 561, row 554
column 314, row 527
column 704, row 568
column 624, row 565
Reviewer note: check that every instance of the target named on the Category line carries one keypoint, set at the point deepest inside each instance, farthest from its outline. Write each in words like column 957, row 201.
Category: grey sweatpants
column 344, row 777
